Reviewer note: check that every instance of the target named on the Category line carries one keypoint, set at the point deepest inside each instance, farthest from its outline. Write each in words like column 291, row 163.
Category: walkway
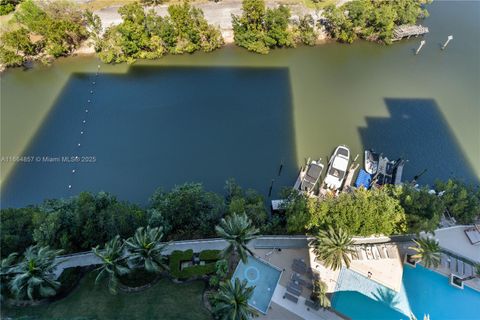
column 84, row 259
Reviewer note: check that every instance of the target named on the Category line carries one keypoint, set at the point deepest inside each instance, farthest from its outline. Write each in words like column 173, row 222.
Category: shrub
column 209, row 255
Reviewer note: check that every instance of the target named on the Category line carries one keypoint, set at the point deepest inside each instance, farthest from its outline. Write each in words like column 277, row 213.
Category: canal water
column 208, row 117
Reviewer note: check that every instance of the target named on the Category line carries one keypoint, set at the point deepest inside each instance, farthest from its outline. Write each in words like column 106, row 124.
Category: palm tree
column 231, row 301
column 34, row 276
column 5, row 272
column 333, row 247
column 319, row 294
column 427, row 250
column 145, row 249
column 113, row 263
column 238, row 230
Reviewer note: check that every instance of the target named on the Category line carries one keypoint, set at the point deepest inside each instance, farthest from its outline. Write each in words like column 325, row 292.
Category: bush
column 209, row 255
column 6, row 9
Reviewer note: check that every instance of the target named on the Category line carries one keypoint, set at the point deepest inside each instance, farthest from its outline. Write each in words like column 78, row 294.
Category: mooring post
column 271, row 187
column 420, row 47
column 446, row 42
column 280, row 168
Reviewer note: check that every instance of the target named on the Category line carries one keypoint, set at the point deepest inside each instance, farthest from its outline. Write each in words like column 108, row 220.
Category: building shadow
column 355, row 305
column 158, row 127
column 417, row 131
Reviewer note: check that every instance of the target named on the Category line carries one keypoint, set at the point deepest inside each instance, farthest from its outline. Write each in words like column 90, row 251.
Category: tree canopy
column 189, row 210
column 259, row 29
column 145, row 35
column 43, row 29
column 362, row 212
column 462, row 200
column 371, row 19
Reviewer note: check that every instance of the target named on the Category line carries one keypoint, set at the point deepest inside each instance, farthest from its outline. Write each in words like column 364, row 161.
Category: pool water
column 423, row 292
column 261, row 275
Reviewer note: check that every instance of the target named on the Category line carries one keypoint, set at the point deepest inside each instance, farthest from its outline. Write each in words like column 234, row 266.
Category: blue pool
column 261, row 275
column 423, row 292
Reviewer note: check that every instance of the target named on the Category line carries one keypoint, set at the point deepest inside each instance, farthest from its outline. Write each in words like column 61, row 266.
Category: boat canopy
column 364, row 179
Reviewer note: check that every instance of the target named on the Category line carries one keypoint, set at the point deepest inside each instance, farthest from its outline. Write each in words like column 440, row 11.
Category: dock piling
column 449, row 38
column 271, row 187
column 422, row 43
column 280, row 168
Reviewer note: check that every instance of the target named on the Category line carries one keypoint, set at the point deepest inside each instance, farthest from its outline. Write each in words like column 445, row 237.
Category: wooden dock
column 407, row 31
column 351, row 173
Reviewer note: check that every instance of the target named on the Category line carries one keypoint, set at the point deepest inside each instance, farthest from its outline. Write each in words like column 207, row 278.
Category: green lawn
column 166, row 300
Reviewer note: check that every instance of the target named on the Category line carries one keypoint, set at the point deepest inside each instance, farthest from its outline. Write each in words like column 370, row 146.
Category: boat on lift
column 337, row 168
column 311, row 176
column 371, row 161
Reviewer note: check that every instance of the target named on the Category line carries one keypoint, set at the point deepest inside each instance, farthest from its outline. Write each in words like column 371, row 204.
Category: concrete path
column 84, row 259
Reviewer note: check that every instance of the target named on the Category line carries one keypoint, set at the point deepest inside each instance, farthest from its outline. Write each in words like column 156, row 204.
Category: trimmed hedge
column 209, row 255
column 177, row 257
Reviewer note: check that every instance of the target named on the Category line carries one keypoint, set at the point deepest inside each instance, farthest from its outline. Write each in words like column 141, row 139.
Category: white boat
column 312, row 174
column 371, row 161
column 337, row 168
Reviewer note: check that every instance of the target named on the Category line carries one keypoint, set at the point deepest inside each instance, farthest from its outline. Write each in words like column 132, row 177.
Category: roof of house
column 461, row 240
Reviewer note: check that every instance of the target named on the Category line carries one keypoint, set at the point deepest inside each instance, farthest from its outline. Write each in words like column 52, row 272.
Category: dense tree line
column 386, row 210
column 84, row 221
column 371, row 19
column 188, row 212
column 260, row 29
column 145, row 35
column 42, row 30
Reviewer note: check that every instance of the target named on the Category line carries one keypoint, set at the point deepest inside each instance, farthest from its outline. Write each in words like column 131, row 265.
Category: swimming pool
column 263, row 276
column 423, row 292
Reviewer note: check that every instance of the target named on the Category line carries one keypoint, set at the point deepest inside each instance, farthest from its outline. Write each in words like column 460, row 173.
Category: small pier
column 351, row 173
column 407, row 31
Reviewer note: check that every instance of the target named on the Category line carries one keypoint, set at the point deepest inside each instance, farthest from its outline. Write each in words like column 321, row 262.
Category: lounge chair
column 453, row 265
column 392, row 252
column 376, row 254
column 299, row 269
column 288, row 296
column 296, row 278
column 460, row 270
column 444, row 260
column 313, row 305
column 293, row 290
column 360, row 253
column 368, row 251
column 381, row 251
column 468, row 270
column 296, row 286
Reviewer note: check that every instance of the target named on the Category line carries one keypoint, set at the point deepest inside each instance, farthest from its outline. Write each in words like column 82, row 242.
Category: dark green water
column 207, row 117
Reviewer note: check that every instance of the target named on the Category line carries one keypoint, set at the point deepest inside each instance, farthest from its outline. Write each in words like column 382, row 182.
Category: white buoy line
column 84, row 121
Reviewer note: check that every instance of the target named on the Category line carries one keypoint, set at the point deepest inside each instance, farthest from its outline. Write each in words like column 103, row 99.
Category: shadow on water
column 161, row 126
column 386, row 296
column 353, row 303
column 417, row 131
